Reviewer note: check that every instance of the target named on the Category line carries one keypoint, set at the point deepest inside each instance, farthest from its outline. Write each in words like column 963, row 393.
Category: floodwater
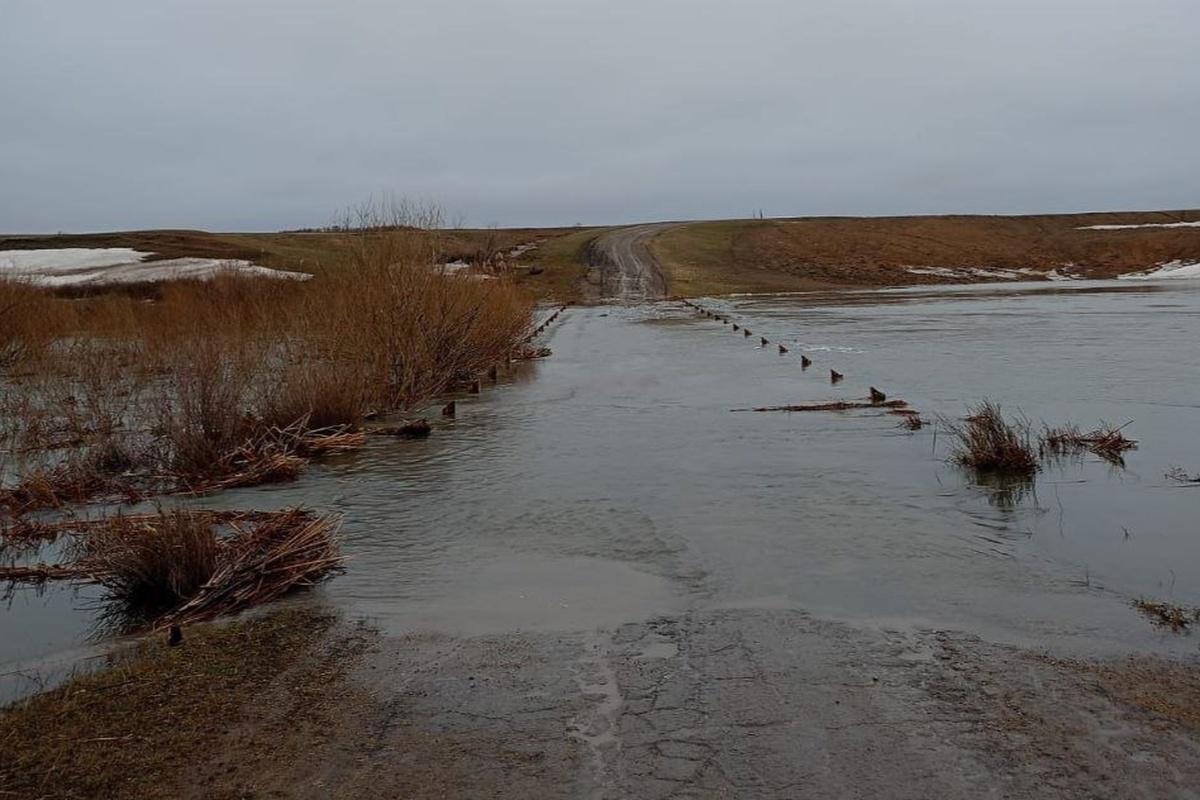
column 615, row 481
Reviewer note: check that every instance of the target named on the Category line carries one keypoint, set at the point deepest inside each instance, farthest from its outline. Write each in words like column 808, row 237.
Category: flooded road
column 739, row 602
column 614, row 481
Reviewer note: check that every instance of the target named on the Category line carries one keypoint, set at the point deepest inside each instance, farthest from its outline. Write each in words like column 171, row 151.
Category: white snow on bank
column 1145, row 225
column 66, row 259
column 81, row 266
column 975, row 272
column 1171, row 269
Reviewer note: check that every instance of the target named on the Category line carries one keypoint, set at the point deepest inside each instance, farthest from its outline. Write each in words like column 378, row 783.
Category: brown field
column 700, row 258
column 815, row 253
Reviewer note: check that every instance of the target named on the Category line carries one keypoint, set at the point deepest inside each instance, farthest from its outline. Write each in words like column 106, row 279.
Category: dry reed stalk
column 294, row 550
column 64, row 485
column 1106, row 441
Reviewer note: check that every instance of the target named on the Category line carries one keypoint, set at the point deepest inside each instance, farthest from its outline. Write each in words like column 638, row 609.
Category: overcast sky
column 264, row 114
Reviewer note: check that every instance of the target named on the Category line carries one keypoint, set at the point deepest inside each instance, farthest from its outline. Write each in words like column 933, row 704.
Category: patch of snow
column 1134, row 227
column 1055, row 275
column 79, row 266
column 975, row 272
column 67, row 259
column 1170, row 270
column 941, row 272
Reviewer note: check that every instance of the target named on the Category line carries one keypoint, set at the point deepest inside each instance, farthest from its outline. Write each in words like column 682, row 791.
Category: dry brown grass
column 988, row 442
column 158, row 721
column 199, row 380
column 29, row 322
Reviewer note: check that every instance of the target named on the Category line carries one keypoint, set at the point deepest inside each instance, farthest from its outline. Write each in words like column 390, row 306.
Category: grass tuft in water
column 1168, row 615
column 988, row 442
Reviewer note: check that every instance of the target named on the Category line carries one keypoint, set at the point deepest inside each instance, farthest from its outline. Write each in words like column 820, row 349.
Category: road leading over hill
column 628, row 269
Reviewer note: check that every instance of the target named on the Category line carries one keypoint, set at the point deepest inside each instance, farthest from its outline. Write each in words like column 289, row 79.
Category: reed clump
column 1107, row 441
column 989, row 442
column 152, row 565
column 181, row 566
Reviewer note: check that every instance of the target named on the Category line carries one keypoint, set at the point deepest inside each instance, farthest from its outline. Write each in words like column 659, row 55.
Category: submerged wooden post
column 805, row 362
column 493, row 372
column 736, row 327
column 764, row 341
column 450, row 409
column 476, row 387
column 877, row 396
column 782, row 349
column 835, row 376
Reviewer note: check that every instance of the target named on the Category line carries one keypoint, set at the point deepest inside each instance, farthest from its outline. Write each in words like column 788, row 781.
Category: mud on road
column 628, row 270
column 745, row 703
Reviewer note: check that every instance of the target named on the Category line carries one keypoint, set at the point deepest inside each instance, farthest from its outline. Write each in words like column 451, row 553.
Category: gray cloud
column 268, row 114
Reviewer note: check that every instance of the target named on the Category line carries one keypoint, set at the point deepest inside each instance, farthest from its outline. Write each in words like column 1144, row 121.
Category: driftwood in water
column 837, row 405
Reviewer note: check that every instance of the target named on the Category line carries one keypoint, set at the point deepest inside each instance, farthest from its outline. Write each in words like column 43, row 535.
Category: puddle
column 529, row 593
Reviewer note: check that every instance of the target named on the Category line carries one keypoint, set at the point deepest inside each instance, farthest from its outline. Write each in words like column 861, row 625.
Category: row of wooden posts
column 835, row 377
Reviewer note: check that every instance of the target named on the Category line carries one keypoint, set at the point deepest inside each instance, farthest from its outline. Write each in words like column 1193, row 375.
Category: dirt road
column 628, row 270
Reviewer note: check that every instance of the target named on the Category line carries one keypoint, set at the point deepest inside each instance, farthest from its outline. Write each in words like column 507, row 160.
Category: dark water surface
column 614, row 481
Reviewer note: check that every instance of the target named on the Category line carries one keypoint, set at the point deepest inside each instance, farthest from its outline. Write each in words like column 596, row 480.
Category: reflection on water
column 611, row 481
